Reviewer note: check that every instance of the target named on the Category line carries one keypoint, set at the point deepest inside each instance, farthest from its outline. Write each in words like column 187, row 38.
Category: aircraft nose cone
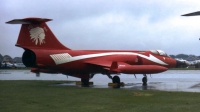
column 180, row 64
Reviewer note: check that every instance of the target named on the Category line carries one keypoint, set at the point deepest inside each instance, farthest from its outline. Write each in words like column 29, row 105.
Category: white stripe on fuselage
column 66, row 58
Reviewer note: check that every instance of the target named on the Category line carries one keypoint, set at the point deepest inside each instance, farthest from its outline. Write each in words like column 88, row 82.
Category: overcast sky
column 108, row 24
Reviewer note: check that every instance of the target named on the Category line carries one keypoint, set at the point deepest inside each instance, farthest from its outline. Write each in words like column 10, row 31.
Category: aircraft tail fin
column 35, row 33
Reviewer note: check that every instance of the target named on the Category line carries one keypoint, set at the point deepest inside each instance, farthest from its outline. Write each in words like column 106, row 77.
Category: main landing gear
column 144, row 80
column 115, row 81
column 85, row 82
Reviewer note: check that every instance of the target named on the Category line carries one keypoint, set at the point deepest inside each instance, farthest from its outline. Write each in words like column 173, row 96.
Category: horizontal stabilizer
column 192, row 14
column 28, row 21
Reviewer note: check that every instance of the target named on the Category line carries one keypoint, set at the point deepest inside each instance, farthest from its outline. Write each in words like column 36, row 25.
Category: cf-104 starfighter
column 44, row 53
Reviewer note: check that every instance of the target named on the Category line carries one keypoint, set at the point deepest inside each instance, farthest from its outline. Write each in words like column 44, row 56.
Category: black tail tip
column 192, row 14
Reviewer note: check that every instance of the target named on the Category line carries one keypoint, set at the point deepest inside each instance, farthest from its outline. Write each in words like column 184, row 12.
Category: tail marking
column 37, row 35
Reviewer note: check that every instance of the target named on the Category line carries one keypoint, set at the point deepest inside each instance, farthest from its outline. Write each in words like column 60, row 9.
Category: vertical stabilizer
column 36, row 34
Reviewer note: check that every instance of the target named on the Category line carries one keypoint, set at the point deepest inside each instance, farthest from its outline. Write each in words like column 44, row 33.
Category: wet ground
column 171, row 80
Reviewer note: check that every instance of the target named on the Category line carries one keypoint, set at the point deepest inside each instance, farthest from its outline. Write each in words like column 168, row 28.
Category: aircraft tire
column 116, row 79
column 144, row 80
column 85, row 82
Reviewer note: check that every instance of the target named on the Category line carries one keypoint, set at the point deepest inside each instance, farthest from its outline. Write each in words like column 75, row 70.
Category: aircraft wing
column 111, row 66
column 100, row 63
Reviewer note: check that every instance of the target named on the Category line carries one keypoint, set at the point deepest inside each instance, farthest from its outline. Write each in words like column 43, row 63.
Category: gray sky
column 108, row 24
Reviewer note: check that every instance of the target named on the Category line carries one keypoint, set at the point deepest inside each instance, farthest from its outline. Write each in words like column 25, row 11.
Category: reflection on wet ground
column 164, row 86
column 171, row 80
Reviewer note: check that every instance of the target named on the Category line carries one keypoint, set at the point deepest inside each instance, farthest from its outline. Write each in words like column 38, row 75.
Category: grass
column 35, row 96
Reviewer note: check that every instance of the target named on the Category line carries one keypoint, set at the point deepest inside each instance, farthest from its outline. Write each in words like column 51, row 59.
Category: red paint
column 37, row 55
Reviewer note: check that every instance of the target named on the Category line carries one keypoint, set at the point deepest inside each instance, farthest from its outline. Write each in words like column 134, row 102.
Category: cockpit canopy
column 159, row 52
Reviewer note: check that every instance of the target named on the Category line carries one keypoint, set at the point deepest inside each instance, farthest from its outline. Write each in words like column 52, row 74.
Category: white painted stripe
column 56, row 57
column 53, row 57
column 67, row 58
column 62, row 56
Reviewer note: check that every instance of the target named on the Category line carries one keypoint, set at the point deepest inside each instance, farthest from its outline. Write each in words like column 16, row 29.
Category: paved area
column 169, row 84
column 171, row 80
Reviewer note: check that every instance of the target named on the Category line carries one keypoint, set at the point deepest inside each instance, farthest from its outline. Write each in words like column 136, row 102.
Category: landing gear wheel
column 116, row 79
column 85, row 82
column 144, row 80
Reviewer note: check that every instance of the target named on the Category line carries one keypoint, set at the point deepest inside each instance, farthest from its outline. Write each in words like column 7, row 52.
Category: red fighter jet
column 44, row 53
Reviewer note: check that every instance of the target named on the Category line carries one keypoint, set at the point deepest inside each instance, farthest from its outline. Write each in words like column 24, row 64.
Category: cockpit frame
column 159, row 52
